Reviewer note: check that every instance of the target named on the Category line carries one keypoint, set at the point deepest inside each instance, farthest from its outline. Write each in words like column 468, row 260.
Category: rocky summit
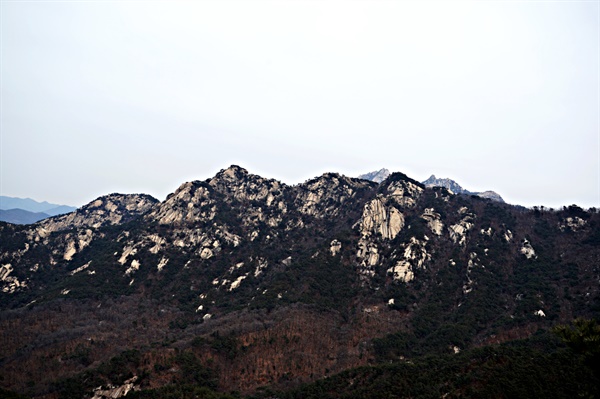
column 377, row 176
column 240, row 285
column 457, row 189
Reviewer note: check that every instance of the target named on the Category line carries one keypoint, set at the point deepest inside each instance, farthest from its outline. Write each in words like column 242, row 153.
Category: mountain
column 377, row 176
column 240, row 285
column 27, row 204
column 457, row 189
column 20, row 216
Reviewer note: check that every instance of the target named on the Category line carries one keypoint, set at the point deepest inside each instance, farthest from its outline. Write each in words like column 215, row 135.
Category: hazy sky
column 140, row 96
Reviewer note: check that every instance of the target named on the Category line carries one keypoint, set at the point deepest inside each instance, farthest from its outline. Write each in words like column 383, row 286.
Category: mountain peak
column 377, row 176
column 456, row 188
column 446, row 183
column 233, row 171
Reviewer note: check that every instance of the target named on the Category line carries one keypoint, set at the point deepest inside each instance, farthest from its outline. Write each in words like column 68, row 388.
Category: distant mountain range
column 382, row 174
column 26, row 211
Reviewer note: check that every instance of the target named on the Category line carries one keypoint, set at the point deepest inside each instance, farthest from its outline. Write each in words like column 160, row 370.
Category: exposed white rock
column 458, row 232
column 404, row 193
column 191, row 202
column 487, row 232
column 367, row 253
column 335, row 247
column 310, row 200
column 107, row 210
column 321, row 196
column 415, row 256
column 528, row 250
column 70, row 251
column 5, row 271
column 65, row 291
column 262, row 266
column 201, row 307
column 127, row 251
column 235, row 284
column 163, row 262
column 402, row 271
column 83, row 240
column 206, row 253
column 116, row 392
column 573, row 223
column 540, row 313
column 380, row 219
column 235, row 267
column 158, row 241
column 80, row 268
column 229, row 238
column 135, row 265
column 207, row 316
column 473, row 259
column 415, row 251
column 391, row 301
column 434, row 221
column 225, row 281
column 10, row 283
column 287, row 261
column 508, row 236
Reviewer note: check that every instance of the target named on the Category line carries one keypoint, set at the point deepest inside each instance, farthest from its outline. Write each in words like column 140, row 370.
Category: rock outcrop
column 455, row 188
column 377, row 176
column 107, row 210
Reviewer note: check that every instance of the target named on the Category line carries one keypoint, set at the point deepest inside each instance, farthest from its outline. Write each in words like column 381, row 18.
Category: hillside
column 239, row 282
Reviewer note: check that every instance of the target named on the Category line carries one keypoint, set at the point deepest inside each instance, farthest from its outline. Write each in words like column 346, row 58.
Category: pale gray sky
column 134, row 96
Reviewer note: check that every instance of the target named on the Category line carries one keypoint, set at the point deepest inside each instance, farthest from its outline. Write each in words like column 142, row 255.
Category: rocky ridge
column 453, row 186
column 377, row 176
column 376, row 258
